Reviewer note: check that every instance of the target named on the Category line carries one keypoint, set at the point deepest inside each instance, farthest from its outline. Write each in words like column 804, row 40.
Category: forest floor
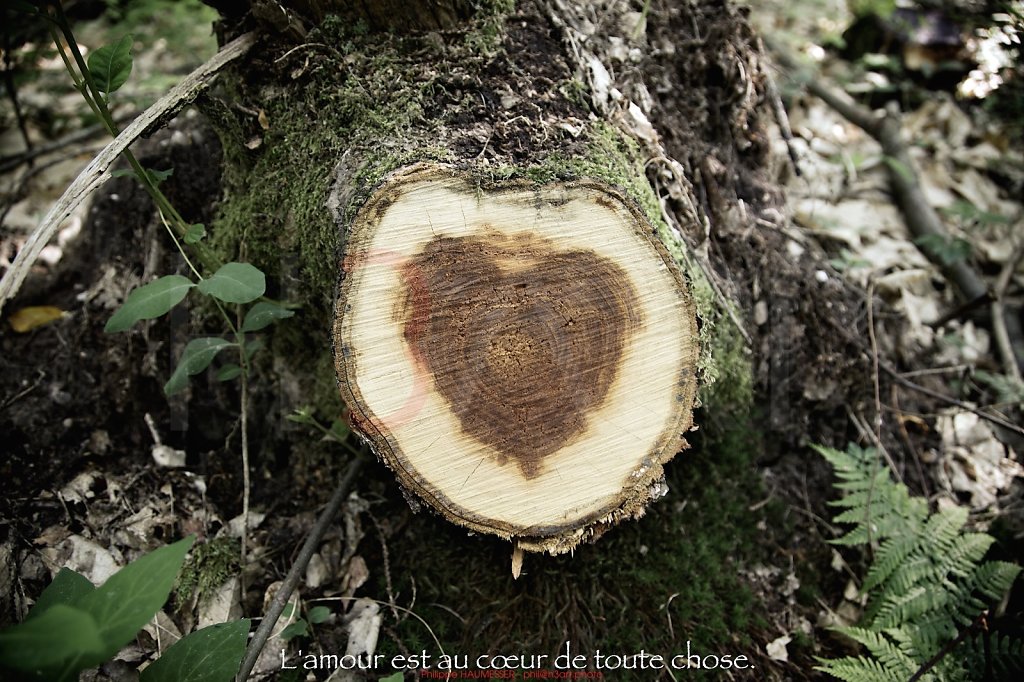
column 101, row 466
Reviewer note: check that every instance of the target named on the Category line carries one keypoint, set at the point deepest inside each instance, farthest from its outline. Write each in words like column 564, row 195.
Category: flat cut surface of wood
column 522, row 356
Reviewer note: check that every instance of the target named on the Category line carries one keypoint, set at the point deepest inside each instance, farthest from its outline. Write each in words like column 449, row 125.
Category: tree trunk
column 523, row 358
column 514, row 332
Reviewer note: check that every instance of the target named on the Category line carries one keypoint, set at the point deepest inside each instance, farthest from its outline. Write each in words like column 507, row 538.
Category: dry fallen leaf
column 776, row 649
column 27, row 319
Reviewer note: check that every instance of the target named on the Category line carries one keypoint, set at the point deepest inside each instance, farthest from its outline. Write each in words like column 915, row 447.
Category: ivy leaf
column 110, row 65
column 319, row 614
column 149, row 301
column 67, row 588
column 195, row 233
column 198, row 355
column 130, row 597
column 263, row 314
column 75, row 626
column 228, row 372
column 297, row 629
column 57, row 645
column 947, row 249
column 158, row 176
column 212, row 654
column 235, row 283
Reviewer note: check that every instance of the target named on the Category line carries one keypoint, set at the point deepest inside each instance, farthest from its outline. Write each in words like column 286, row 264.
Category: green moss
column 680, row 564
column 208, row 567
column 276, row 216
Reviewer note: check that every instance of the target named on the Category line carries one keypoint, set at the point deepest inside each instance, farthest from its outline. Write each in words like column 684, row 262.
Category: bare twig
column 1009, row 355
column 246, row 482
column 298, row 569
column 387, row 567
column 867, row 434
column 96, row 173
column 12, row 92
column 11, row 162
column 874, row 362
column 907, row 442
column 907, row 383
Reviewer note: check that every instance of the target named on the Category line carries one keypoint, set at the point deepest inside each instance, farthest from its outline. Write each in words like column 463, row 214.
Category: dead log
column 523, row 357
column 513, row 332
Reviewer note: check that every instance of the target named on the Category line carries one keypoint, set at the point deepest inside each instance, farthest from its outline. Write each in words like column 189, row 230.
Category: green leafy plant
column 927, row 585
column 968, row 215
column 238, row 283
column 1008, row 389
column 300, row 626
column 75, row 625
column 107, row 70
column 947, row 249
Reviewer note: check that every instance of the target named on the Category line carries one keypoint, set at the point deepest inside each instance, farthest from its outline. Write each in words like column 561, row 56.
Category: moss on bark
column 349, row 107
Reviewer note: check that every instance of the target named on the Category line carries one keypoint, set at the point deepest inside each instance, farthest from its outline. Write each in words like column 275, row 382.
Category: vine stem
column 85, row 84
column 245, row 464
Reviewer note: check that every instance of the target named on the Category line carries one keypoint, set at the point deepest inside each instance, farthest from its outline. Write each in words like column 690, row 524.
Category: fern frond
column 908, row 607
column 1006, row 654
column 859, row 669
column 890, row 556
column 928, row 635
column 854, row 484
column 926, row 581
column 887, row 652
column 965, row 553
column 944, row 526
column 993, row 578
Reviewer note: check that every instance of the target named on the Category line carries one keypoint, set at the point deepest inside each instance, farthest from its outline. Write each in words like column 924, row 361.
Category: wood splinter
column 522, row 356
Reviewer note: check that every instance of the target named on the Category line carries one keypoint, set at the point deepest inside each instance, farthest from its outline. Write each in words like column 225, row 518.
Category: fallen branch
column 919, row 216
column 1003, row 338
column 298, row 569
column 96, row 173
column 8, row 163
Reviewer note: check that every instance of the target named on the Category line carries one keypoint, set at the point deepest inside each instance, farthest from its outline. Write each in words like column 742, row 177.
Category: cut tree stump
column 522, row 356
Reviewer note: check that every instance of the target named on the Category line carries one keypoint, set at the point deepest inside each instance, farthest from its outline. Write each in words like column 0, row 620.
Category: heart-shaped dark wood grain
column 521, row 339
